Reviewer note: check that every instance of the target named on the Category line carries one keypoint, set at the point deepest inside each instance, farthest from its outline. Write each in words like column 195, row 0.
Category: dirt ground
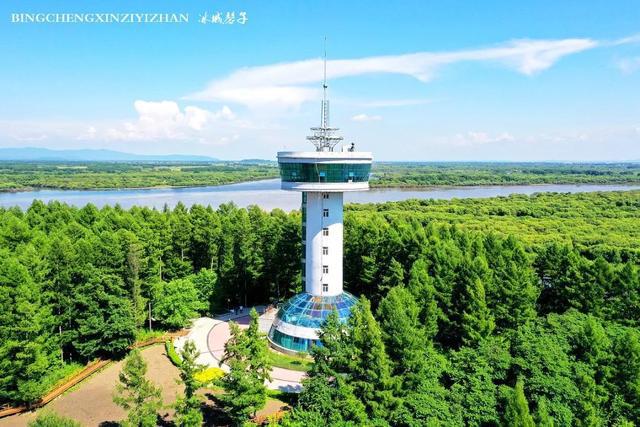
column 91, row 403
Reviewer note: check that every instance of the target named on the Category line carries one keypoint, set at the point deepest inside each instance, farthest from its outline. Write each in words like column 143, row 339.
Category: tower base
column 295, row 328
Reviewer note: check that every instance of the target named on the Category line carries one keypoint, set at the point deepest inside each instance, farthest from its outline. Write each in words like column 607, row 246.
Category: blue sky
column 409, row 80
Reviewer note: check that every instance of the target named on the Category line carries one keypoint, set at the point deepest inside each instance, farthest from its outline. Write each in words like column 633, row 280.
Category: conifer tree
column 627, row 373
column 394, row 276
column 27, row 348
column 136, row 394
column 188, row 407
column 417, row 365
column 421, row 285
column 104, row 320
column 331, row 356
column 326, row 394
column 257, row 348
column 405, row 339
column 369, row 369
column 245, row 354
column 542, row 417
column 517, row 410
column 477, row 321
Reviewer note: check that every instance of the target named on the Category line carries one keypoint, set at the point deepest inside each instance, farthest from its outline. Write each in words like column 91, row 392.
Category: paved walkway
column 210, row 336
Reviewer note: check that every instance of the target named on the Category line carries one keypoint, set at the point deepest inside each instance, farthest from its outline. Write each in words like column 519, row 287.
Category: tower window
column 325, row 287
column 325, row 231
column 325, row 250
column 325, row 213
column 325, row 269
column 325, row 195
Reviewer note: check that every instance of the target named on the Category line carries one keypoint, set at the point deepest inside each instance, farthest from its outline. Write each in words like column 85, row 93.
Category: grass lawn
column 286, row 361
column 145, row 334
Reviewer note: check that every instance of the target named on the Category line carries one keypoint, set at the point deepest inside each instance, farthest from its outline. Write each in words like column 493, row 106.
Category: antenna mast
column 324, row 137
column 325, row 102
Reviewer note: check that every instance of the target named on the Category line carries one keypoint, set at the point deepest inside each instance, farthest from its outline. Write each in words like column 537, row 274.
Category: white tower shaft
column 323, row 243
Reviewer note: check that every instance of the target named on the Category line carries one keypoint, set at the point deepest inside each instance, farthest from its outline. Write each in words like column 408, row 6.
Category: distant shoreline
column 153, row 187
column 372, row 186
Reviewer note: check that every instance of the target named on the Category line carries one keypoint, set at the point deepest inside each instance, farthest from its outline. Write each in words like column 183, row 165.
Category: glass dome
column 310, row 311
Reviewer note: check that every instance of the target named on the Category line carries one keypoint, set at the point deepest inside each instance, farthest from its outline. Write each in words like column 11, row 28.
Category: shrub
column 172, row 354
column 209, row 376
column 51, row 419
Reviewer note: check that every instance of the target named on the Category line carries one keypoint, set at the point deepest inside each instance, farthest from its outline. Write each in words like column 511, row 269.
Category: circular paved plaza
column 210, row 336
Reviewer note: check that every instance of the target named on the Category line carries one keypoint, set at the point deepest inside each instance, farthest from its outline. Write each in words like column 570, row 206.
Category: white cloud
column 629, row 65
column 165, row 120
column 479, row 138
column 634, row 38
column 366, row 118
column 286, row 85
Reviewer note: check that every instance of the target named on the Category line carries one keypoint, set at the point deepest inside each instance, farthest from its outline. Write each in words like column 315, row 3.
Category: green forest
column 21, row 176
column 521, row 310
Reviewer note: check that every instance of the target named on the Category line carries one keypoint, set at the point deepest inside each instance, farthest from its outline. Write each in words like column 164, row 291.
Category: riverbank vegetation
column 419, row 174
column 24, row 176
column 472, row 311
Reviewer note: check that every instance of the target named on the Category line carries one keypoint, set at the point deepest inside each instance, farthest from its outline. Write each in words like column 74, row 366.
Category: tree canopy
column 460, row 300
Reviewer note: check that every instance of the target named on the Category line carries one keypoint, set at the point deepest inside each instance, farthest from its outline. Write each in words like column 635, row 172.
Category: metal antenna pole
column 324, row 138
column 325, row 103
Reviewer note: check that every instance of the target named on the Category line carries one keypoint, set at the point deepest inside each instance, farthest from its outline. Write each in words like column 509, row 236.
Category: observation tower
column 322, row 176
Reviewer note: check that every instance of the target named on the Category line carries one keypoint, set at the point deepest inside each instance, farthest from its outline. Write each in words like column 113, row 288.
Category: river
column 267, row 194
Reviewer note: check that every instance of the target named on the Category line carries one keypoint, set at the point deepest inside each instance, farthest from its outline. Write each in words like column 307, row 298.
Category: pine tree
column 369, row 369
column 394, row 276
column 245, row 354
column 625, row 295
column 405, row 339
column 331, row 356
column 627, row 373
column 326, row 395
column 417, row 364
column 421, row 285
column 512, row 291
column 477, row 321
column 136, row 394
column 181, row 229
column 188, row 407
column 517, row 410
column 542, row 418
column 27, row 347
column 134, row 264
column 104, row 321
column 257, row 348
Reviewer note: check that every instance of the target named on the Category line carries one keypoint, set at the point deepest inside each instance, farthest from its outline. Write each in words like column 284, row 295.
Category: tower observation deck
column 322, row 176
